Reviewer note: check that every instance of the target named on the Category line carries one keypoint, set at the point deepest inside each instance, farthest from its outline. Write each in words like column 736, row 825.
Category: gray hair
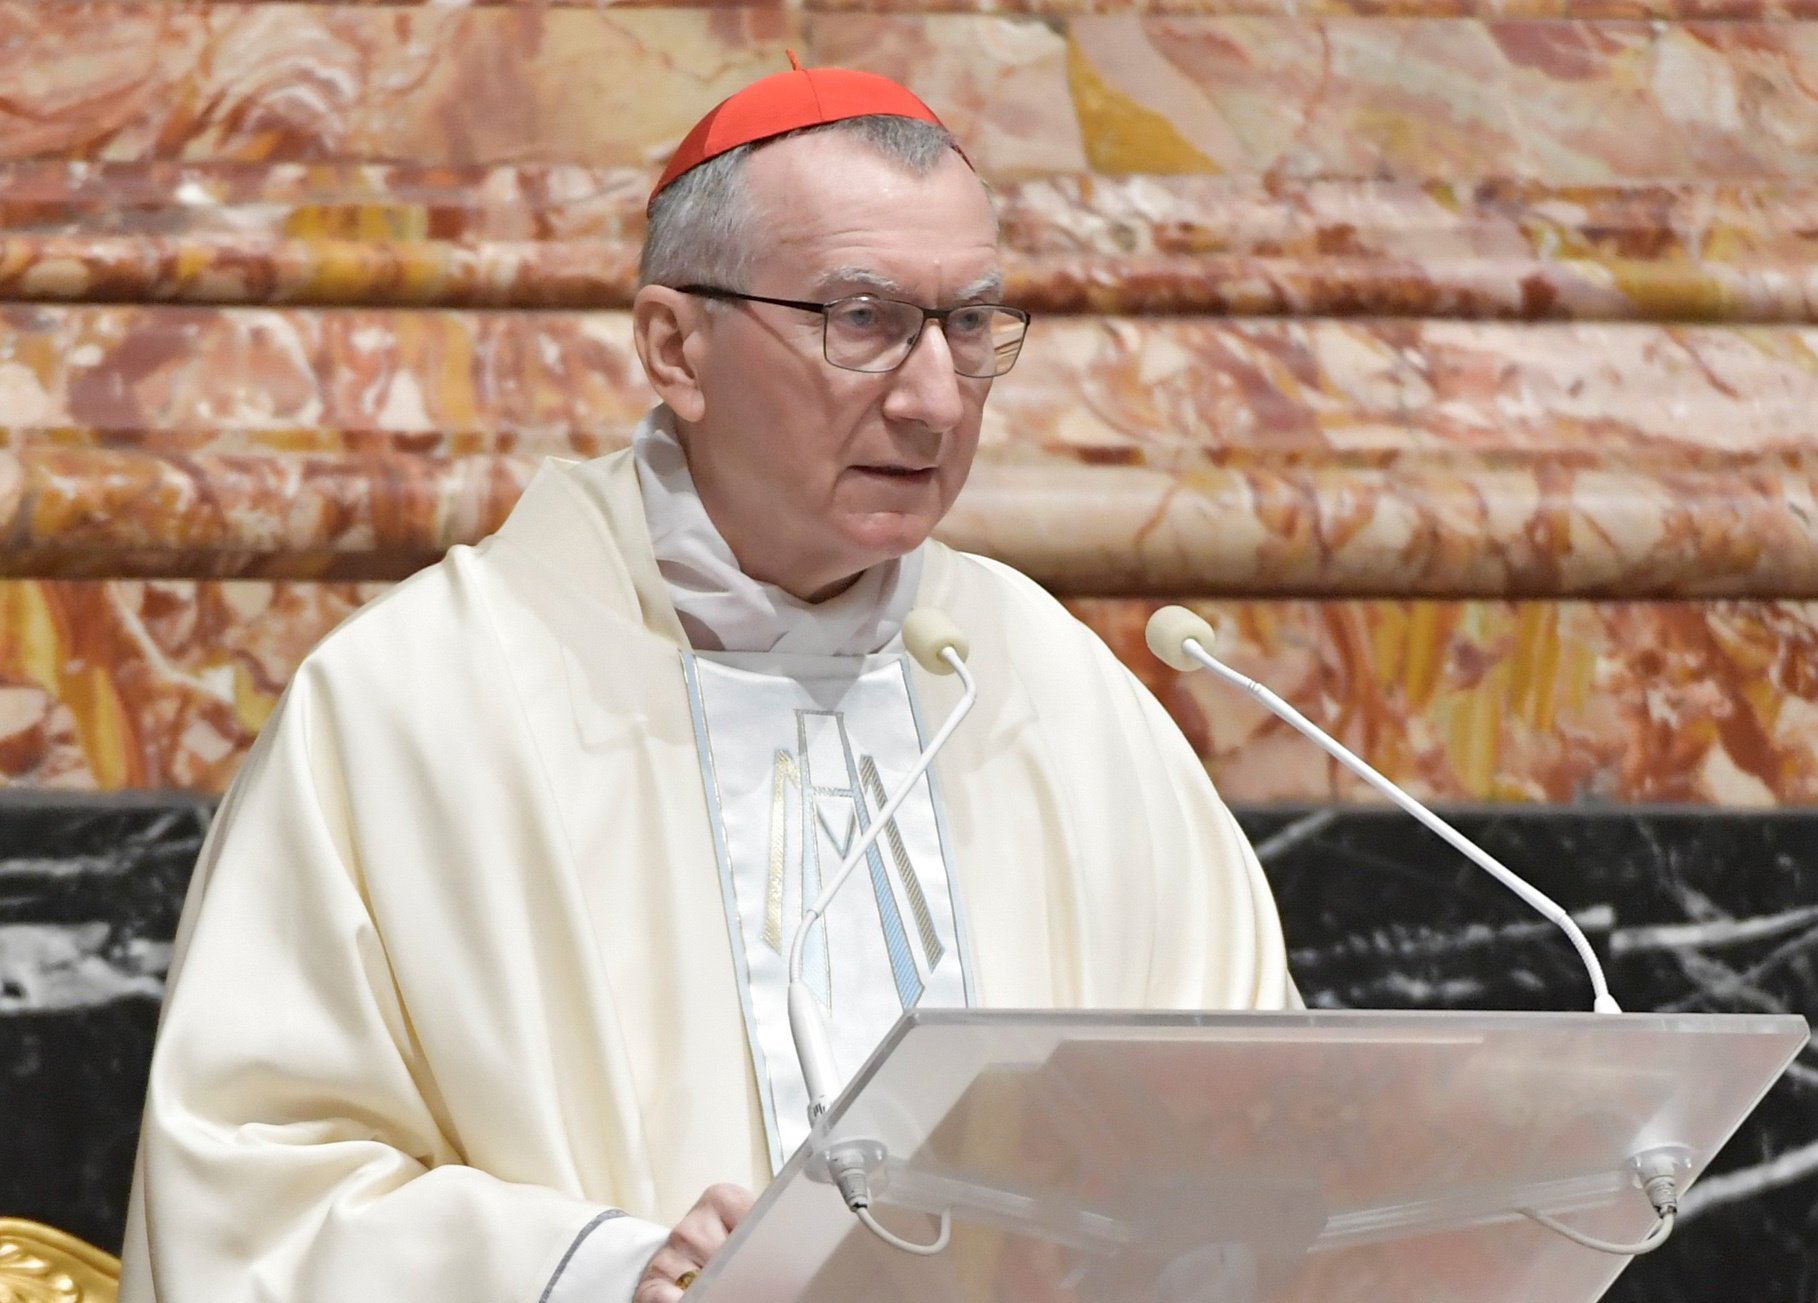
column 703, row 226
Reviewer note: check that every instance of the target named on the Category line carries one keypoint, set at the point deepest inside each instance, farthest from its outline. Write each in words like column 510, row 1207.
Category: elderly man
column 478, row 995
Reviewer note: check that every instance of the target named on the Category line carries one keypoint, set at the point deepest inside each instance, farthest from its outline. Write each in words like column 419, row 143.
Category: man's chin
column 885, row 536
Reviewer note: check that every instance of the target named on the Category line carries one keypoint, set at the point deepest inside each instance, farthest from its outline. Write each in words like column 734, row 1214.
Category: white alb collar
column 724, row 609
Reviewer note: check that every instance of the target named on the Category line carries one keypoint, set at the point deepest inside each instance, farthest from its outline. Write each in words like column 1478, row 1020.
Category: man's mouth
column 905, row 474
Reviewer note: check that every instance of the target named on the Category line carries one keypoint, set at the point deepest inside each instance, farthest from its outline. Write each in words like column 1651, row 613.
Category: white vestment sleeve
column 610, row 1251
column 299, row 1143
column 1248, row 969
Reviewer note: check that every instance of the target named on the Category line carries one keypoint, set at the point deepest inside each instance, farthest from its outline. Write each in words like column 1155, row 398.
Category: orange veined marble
column 124, row 684
column 1558, row 701
column 148, row 685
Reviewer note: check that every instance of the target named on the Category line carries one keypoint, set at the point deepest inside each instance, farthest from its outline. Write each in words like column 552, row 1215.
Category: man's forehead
column 861, row 276
column 830, row 188
column 837, row 216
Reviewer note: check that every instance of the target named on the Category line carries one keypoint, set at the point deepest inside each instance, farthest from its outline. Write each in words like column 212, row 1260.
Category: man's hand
column 695, row 1239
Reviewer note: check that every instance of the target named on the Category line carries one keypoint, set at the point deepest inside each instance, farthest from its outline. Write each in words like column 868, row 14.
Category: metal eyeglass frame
column 928, row 314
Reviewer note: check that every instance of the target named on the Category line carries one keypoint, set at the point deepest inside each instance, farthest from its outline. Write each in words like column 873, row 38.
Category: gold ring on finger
column 686, row 1279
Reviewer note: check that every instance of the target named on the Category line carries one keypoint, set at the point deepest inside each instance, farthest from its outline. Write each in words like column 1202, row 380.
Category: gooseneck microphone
column 940, row 647
column 1183, row 640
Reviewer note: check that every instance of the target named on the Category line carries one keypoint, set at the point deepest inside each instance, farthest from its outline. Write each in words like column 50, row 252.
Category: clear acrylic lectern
column 1314, row 1157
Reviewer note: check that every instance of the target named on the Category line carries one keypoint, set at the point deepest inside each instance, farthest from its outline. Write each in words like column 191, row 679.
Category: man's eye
column 969, row 321
column 856, row 316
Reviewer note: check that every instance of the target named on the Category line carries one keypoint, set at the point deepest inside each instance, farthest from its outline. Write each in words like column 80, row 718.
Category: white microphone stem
column 805, row 1020
column 1603, row 1001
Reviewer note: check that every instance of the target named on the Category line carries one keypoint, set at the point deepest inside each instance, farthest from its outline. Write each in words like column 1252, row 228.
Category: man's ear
column 665, row 325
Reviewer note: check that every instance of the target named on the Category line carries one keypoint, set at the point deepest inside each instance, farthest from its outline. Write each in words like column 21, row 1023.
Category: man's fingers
column 670, row 1263
column 665, row 1268
column 699, row 1235
column 731, row 1202
column 693, row 1242
column 719, row 1209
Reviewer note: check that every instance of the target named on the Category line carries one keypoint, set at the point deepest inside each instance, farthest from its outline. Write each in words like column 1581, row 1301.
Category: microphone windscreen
column 1169, row 631
column 927, row 633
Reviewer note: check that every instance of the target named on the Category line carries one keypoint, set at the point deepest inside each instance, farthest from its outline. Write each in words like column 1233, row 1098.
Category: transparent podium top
column 1250, row 1158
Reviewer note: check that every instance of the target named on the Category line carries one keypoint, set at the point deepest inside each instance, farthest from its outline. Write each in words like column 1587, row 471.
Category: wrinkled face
column 811, row 472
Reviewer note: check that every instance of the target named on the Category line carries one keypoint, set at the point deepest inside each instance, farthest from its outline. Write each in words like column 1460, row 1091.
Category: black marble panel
column 90, row 891
column 1689, row 909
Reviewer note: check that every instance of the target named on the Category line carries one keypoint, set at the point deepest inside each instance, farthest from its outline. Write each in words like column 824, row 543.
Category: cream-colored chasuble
column 799, row 753
column 453, row 1013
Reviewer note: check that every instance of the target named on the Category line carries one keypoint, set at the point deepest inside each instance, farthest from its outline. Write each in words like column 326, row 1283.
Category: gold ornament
column 41, row 1265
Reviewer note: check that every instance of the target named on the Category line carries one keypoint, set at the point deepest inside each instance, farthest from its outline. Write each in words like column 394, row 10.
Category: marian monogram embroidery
column 798, row 754
column 827, row 812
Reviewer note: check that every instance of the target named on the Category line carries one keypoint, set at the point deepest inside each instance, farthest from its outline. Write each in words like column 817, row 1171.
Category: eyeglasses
column 864, row 332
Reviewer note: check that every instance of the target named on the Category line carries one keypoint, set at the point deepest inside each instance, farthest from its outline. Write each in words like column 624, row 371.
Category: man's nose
column 925, row 388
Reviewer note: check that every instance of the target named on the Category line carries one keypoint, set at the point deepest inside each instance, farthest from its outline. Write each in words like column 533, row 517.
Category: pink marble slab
column 1585, row 102
column 1380, row 98
column 1490, row 10
column 1108, row 386
column 1569, row 9
column 430, row 383
column 421, row 84
column 1120, row 456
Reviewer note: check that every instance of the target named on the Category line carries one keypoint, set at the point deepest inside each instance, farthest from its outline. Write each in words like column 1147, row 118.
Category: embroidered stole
column 798, row 754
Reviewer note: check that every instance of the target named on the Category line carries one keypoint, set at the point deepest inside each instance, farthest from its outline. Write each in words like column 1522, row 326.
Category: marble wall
column 1344, row 302
column 1456, row 357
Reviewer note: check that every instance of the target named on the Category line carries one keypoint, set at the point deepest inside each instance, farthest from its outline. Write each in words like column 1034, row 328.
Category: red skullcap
column 789, row 101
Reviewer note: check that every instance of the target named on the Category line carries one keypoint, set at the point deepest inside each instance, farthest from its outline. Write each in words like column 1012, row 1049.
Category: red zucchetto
column 789, row 101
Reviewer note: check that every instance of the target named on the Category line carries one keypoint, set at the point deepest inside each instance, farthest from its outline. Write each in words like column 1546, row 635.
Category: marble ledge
column 139, row 685
column 1685, row 10
column 1489, row 10
column 1397, row 525
column 1148, row 244
column 1582, row 102
column 1240, row 213
column 1403, row 528
column 578, row 275
column 551, row 237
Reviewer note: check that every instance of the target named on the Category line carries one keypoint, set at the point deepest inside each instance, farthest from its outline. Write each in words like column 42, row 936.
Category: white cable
column 1647, row 1244
column 1657, row 1170
column 1602, row 1001
column 897, row 1242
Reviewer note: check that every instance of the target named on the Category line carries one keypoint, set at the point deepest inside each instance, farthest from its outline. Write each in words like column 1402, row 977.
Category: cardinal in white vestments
column 477, row 993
